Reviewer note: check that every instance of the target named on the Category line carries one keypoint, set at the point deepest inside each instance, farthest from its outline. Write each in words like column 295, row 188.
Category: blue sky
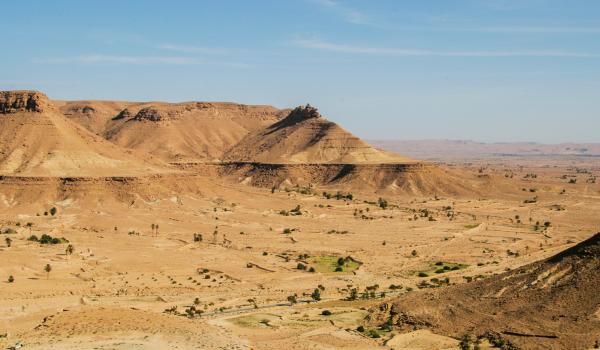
column 486, row 70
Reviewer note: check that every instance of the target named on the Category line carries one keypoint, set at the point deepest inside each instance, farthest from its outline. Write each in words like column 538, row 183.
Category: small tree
column 8, row 241
column 316, row 294
column 47, row 268
column 53, row 211
column 465, row 342
column 69, row 250
column 292, row 299
column 11, row 279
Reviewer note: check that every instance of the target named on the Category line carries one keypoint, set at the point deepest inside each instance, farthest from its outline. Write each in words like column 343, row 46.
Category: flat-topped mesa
column 22, row 101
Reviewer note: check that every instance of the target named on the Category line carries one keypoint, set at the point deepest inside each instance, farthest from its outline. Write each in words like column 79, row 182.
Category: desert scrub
column 331, row 264
column 441, row 267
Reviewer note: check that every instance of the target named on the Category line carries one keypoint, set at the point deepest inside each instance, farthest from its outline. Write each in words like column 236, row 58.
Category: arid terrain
column 197, row 225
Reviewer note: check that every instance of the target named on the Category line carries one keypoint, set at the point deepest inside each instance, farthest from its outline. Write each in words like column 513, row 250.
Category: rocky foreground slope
column 550, row 304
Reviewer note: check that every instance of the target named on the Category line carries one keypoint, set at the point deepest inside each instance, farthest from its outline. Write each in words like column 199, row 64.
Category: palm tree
column 47, row 268
column 69, row 250
column 8, row 241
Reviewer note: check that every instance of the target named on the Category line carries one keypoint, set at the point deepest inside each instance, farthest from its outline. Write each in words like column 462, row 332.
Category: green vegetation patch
column 47, row 239
column 471, row 226
column 260, row 320
column 333, row 264
column 439, row 267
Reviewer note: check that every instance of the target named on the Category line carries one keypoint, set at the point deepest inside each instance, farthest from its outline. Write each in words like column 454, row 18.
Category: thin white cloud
column 191, row 49
column 349, row 15
column 135, row 60
column 118, row 59
column 536, row 29
column 393, row 51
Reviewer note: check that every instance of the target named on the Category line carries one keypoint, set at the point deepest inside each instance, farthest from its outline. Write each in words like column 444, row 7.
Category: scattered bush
column 316, row 294
column 47, row 239
column 326, row 313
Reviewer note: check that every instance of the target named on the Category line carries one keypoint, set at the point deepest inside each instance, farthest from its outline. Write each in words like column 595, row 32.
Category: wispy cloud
column 535, row 29
column 395, row 51
column 134, row 60
column 192, row 49
column 531, row 29
column 118, row 59
column 349, row 15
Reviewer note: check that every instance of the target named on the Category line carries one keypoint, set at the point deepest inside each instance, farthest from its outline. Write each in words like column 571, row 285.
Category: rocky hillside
column 305, row 137
column 550, row 304
column 37, row 140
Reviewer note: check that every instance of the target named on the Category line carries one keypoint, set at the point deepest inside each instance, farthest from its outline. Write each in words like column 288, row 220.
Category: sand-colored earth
column 203, row 255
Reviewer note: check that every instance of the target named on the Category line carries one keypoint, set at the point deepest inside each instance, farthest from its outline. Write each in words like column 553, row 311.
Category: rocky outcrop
column 299, row 114
column 124, row 114
column 22, row 101
column 150, row 113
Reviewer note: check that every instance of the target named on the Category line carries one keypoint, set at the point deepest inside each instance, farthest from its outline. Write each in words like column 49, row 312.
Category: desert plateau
column 217, row 225
column 300, row 175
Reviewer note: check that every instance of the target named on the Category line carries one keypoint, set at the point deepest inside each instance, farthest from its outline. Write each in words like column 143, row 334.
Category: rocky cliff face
column 22, row 101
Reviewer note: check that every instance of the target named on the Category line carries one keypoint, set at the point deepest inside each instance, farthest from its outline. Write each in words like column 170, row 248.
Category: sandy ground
column 114, row 290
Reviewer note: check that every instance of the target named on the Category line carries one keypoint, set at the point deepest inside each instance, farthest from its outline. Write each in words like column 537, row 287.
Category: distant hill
column 305, row 137
column 37, row 140
column 457, row 149
column 174, row 132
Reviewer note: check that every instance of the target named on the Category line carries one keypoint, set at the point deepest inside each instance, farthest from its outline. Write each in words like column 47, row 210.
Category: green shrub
column 373, row 334
column 316, row 295
column 326, row 313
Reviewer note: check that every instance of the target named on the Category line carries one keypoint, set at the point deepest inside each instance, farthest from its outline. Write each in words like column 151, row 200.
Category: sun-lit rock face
column 22, row 101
